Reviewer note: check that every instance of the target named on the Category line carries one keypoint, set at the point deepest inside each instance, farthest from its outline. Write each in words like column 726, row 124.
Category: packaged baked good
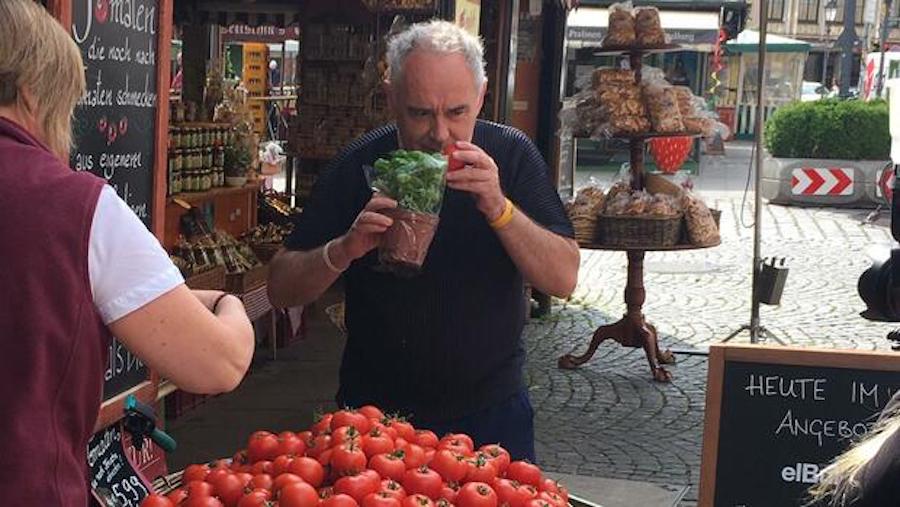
column 662, row 105
column 701, row 226
column 621, row 31
column 648, row 28
column 685, row 98
column 662, row 205
column 610, row 76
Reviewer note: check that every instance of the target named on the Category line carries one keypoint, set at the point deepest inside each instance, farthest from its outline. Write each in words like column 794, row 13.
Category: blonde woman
column 76, row 268
column 867, row 475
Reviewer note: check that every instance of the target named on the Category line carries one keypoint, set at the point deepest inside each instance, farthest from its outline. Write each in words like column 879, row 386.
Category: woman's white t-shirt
column 127, row 266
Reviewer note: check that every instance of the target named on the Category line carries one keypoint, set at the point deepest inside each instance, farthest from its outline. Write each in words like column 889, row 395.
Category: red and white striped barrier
column 833, row 181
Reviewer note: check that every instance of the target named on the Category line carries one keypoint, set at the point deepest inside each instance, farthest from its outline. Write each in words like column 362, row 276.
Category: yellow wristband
column 505, row 218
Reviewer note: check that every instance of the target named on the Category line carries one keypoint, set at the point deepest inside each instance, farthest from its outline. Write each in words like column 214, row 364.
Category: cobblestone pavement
column 608, row 418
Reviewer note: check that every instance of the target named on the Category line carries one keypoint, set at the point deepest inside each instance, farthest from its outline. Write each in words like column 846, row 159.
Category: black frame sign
column 776, row 416
column 115, row 121
column 114, row 479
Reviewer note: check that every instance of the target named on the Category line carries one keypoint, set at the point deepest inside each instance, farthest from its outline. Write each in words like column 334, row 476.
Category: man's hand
column 366, row 231
column 480, row 177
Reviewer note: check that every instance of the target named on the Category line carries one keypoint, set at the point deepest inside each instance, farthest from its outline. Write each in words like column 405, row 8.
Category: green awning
column 748, row 42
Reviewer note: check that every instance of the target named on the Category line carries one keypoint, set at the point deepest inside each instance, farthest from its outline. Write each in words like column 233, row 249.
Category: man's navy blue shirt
column 447, row 342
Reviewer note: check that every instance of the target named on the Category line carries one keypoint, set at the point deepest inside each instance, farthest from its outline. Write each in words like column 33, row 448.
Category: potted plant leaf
column 414, row 179
column 237, row 160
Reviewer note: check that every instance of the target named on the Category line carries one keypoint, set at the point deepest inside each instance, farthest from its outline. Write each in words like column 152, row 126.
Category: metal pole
column 757, row 198
column 884, row 36
column 847, row 43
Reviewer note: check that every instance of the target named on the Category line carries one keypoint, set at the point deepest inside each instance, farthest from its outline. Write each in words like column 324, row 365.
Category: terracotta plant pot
column 404, row 245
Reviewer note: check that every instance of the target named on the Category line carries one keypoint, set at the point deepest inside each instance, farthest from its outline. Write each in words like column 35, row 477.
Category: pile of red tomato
column 361, row 458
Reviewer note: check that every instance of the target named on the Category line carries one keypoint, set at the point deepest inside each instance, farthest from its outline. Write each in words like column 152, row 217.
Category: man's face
column 435, row 101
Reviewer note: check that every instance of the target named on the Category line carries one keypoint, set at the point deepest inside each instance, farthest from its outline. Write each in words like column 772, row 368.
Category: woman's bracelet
column 216, row 303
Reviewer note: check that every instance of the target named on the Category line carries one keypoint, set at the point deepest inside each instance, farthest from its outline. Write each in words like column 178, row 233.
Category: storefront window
column 776, row 10
column 783, row 71
column 809, row 11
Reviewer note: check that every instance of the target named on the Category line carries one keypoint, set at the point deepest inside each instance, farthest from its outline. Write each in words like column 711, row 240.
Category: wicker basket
column 585, row 227
column 265, row 251
column 240, row 283
column 213, row 279
column 641, row 231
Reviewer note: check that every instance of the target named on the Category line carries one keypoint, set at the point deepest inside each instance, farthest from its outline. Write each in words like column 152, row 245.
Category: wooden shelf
column 673, row 248
column 198, row 197
column 632, row 50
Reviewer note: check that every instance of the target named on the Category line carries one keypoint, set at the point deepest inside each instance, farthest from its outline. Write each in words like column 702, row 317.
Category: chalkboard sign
column 123, row 371
column 115, row 121
column 113, row 479
column 776, row 416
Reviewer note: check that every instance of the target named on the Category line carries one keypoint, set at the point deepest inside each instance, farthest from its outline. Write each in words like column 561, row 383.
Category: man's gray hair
column 442, row 37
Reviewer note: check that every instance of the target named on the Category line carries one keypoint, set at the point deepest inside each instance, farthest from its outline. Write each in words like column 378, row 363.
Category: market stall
column 784, row 76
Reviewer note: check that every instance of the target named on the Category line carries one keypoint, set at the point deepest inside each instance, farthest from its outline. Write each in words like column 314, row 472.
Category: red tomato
column 429, row 455
column 393, row 488
column 262, row 467
column 380, row 499
column 524, row 472
column 228, row 488
column 281, row 464
column 417, row 501
column 306, row 436
column 339, row 500
column 298, row 494
column 345, row 435
column 449, row 492
column 284, row 479
column 507, row 492
column 553, row 498
column 426, row 439
column 453, row 164
column 289, row 443
column 348, row 459
column 459, row 442
column 261, row 481
column 413, row 456
column 476, row 494
column 377, row 442
column 450, row 465
column 161, row 501
column 324, row 459
column 244, row 477
column 255, row 498
column 326, row 492
column 199, row 488
column 322, row 424
column 480, row 470
column 563, row 492
column 239, row 460
column 390, row 466
column 195, row 473
column 177, row 496
column 443, row 502
column 538, row 502
column 202, row 501
column 372, row 412
column 423, row 480
column 387, row 430
column 262, row 446
column 404, row 430
column 351, row 418
column 526, row 493
column 216, row 473
column 498, row 456
column 357, row 486
column 318, row 445
column 309, row 470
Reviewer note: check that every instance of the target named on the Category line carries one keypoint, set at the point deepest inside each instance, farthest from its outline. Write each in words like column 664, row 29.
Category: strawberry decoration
column 123, row 125
column 101, row 11
column 670, row 152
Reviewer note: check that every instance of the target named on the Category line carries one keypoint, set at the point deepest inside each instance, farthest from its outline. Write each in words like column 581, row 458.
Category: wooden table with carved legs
column 632, row 330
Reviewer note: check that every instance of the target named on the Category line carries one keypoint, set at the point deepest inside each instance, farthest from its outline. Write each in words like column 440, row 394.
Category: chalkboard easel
column 776, row 416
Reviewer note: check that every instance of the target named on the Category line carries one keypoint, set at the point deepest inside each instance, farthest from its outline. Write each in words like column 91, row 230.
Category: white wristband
column 327, row 258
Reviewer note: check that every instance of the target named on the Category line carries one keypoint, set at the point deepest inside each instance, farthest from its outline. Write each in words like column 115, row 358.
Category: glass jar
column 205, row 180
column 219, row 157
column 208, row 157
column 178, row 183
